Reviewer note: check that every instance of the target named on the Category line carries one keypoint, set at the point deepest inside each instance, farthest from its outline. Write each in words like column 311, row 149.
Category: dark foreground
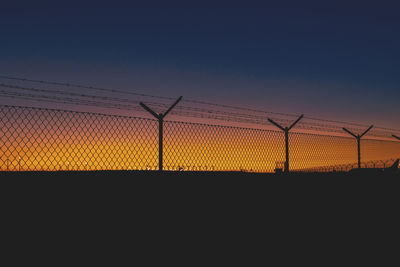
column 142, row 188
column 197, row 174
column 173, row 214
column 202, row 185
column 183, row 195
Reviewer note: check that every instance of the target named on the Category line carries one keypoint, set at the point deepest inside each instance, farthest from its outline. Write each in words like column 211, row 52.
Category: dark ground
column 212, row 191
column 182, row 193
column 195, row 185
column 183, row 216
column 190, row 189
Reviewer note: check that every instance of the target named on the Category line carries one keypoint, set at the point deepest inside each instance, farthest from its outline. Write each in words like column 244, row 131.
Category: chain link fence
column 36, row 139
column 33, row 139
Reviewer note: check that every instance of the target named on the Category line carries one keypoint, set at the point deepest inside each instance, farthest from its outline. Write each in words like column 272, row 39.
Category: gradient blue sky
column 336, row 62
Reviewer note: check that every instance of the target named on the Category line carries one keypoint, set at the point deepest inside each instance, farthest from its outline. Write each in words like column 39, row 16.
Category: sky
column 337, row 62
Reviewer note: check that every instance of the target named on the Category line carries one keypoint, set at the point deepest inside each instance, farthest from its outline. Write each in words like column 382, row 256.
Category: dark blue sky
column 337, row 62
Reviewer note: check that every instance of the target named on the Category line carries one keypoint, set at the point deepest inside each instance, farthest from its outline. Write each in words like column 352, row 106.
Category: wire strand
column 184, row 100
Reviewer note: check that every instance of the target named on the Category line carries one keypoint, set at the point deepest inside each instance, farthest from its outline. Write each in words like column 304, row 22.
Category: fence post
column 287, row 149
column 160, row 142
column 286, row 131
column 358, row 138
column 359, row 151
column 160, row 117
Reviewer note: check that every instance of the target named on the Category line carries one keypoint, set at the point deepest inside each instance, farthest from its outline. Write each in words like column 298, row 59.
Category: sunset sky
column 336, row 62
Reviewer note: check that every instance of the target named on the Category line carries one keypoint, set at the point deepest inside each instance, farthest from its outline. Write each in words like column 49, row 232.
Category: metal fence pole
column 160, row 117
column 286, row 131
column 287, row 150
column 358, row 138
column 160, row 142
column 359, row 151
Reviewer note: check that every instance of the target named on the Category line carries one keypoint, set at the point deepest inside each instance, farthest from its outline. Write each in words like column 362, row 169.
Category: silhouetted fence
column 347, row 167
column 48, row 139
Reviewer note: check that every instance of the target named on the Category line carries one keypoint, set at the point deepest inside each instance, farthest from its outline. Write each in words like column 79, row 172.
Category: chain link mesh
column 35, row 139
column 191, row 146
column 322, row 153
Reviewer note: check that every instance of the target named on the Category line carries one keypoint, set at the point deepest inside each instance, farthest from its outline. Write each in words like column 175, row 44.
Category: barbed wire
column 72, row 101
column 189, row 111
column 303, row 126
column 223, row 116
column 85, row 87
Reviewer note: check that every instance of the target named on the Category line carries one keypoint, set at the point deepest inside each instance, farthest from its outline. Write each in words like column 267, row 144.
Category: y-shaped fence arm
column 160, row 117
